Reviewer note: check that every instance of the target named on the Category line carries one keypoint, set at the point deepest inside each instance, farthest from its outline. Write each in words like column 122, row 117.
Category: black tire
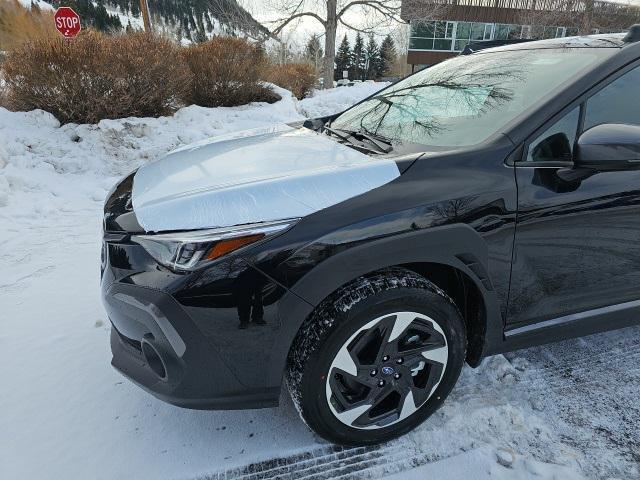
column 337, row 325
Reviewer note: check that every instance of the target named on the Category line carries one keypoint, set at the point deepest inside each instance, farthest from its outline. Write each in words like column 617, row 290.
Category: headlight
column 190, row 250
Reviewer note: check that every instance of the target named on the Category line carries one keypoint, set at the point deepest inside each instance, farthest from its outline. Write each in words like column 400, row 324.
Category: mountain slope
column 193, row 20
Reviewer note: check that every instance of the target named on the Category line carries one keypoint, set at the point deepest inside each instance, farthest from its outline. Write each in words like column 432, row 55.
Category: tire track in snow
column 334, row 462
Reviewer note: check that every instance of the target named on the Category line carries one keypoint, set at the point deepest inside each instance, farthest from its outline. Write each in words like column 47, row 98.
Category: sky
column 265, row 11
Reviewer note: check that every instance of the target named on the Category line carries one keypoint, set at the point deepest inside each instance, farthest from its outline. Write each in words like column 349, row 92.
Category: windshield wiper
column 382, row 144
column 338, row 133
column 350, row 139
column 383, row 99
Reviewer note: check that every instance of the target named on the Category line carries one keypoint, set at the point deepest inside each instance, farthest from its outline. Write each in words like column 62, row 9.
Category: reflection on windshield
column 465, row 100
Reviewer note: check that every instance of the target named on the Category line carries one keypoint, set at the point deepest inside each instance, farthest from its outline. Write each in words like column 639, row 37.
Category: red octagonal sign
column 67, row 22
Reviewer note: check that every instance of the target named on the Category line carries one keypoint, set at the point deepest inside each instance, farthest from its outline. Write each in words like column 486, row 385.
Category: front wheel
column 376, row 358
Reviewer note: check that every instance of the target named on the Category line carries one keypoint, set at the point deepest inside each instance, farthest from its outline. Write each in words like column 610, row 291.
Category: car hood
column 253, row 176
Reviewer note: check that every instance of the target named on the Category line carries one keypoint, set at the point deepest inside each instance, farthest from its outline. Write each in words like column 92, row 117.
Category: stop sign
column 67, row 22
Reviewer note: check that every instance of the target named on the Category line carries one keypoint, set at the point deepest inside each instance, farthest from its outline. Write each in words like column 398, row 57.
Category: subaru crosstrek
column 488, row 203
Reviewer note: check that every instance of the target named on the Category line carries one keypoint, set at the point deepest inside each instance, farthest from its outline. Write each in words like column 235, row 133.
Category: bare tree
column 144, row 9
column 585, row 15
column 332, row 13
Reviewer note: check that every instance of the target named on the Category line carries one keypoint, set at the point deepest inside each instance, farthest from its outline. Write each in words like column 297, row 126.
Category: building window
column 420, row 43
column 507, row 32
column 454, row 36
column 432, row 35
column 447, row 36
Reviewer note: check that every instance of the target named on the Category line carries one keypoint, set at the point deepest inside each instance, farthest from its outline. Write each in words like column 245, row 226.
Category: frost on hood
column 253, row 176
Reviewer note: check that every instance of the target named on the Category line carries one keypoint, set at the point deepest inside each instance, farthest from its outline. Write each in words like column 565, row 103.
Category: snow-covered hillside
column 565, row 411
column 44, row 6
column 185, row 18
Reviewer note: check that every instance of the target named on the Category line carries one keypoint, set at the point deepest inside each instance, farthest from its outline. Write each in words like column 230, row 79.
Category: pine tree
column 313, row 51
column 343, row 58
column 387, row 56
column 199, row 36
column 358, row 59
column 372, row 55
column 135, row 9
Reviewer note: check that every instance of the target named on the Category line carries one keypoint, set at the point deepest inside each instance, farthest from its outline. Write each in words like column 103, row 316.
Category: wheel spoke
column 388, row 325
column 409, row 406
column 347, row 390
column 403, row 320
column 344, row 361
column 418, row 350
column 438, row 355
column 381, row 410
column 367, row 346
column 351, row 415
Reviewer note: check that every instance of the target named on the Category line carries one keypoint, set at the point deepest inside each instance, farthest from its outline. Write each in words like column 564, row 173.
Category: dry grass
column 299, row 78
column 19, row 25
column 96, row 76
column 227, row 72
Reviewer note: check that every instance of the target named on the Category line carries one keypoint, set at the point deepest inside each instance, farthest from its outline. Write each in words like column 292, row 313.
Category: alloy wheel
column 386, row 370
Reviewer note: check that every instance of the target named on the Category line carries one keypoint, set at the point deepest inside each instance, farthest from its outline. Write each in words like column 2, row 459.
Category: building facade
column 440, row 29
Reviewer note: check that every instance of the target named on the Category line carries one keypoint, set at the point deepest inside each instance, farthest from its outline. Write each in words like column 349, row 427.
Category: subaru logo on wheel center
column 388, row 370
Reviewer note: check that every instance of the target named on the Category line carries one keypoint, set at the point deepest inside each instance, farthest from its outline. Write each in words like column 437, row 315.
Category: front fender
column 457, row 245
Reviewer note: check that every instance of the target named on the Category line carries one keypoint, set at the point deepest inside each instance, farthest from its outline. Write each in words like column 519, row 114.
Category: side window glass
column 618, row 102
column 556, row 143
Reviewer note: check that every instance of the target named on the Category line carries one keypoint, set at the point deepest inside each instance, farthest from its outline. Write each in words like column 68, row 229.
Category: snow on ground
column 563, row 411
column 485, row 464
column 327, row 102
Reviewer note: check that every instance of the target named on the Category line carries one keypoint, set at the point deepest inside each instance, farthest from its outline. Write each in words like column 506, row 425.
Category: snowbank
column 326, row 102
column 114, row 147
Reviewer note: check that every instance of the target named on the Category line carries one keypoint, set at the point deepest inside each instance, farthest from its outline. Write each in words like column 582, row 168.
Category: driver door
column 577, row 243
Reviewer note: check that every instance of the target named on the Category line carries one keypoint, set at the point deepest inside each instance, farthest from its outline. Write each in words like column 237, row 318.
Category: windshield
column 465, row 100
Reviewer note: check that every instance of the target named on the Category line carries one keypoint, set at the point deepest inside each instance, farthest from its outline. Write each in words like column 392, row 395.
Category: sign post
column 67, row 22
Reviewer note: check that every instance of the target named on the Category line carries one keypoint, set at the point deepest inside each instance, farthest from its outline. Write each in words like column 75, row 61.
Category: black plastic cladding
column 456, row 209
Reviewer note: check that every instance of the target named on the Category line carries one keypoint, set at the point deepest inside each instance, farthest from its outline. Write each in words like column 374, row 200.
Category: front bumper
column 177, row 335
column 157, row 345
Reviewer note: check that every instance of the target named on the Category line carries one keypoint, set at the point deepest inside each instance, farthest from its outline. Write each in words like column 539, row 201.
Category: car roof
column 609, row 40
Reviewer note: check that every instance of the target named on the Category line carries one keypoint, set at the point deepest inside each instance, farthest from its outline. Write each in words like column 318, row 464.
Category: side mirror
column 610, row 146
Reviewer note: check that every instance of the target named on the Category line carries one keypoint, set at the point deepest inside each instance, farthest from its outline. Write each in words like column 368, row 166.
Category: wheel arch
column 467, row 296
column 453, row 257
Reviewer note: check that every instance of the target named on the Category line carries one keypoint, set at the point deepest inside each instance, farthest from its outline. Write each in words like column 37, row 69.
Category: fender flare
column 457, row 245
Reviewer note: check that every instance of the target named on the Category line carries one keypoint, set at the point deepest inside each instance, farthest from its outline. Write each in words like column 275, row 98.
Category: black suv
column 485, row 204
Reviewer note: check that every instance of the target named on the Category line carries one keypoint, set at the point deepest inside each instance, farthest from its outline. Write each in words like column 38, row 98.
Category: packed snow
column 564, row 411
